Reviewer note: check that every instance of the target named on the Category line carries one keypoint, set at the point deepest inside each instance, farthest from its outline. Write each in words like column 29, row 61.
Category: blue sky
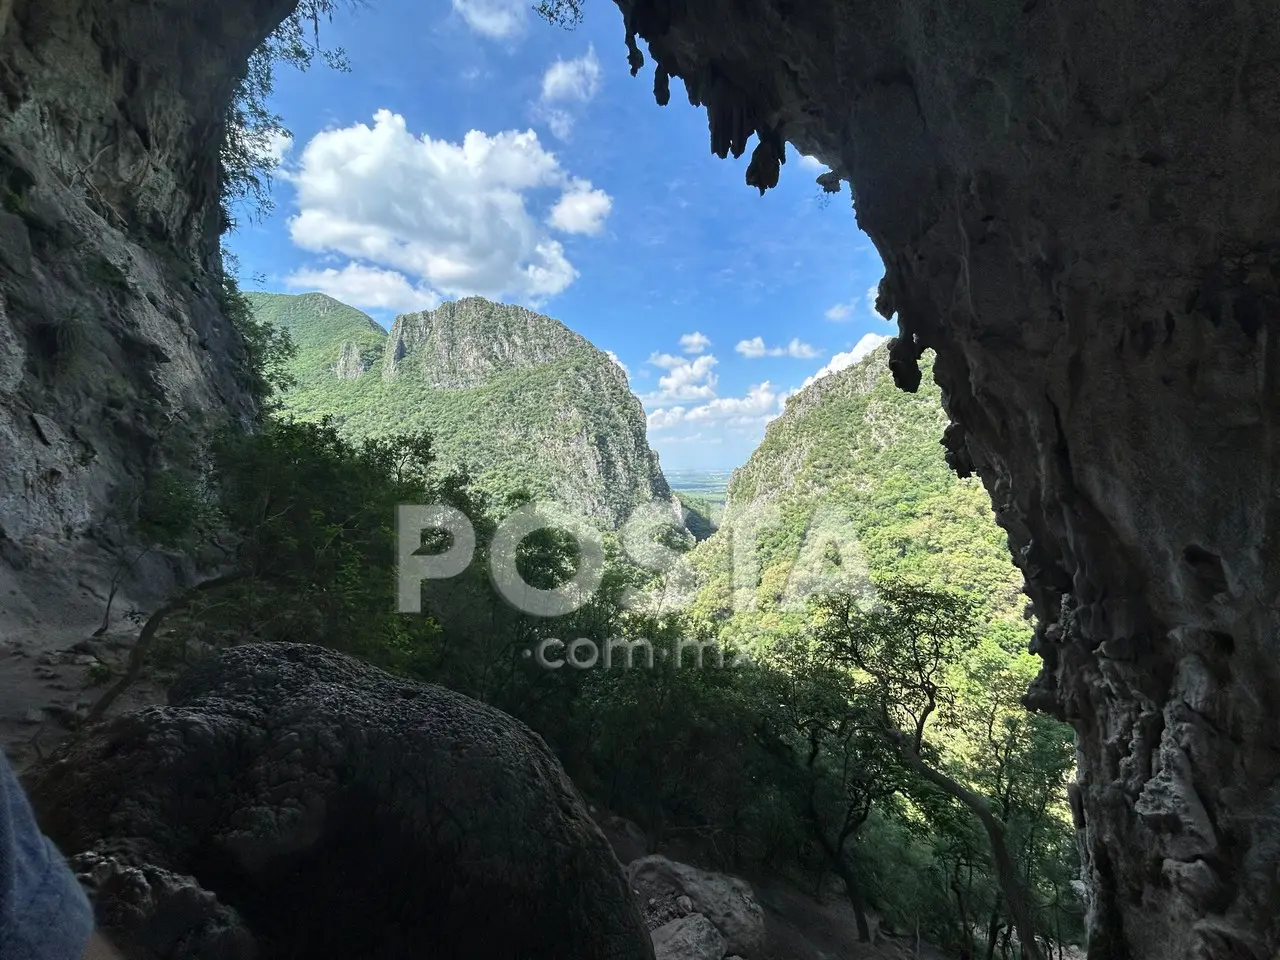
column 475, row 149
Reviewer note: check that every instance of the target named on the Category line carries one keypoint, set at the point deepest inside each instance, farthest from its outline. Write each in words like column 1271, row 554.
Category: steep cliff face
column 517, row 397
column 1078, row 206
column 111, row 335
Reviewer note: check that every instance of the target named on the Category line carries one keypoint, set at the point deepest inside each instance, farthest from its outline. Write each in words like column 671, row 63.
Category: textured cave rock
column 292, row 801
column 110, row 330
column 1078, row 207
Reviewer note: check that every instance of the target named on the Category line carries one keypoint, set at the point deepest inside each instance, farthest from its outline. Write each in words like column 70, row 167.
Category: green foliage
column 269, row 348
column 941, row 657
column 699, row 516
column 526, row 425
column 99, row 674
column 562, row 13
column 174, row 510
column 794, row 761
column 252, row 127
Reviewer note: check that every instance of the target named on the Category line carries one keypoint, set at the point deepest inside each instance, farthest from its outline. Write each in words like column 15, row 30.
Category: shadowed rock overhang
column 1078, row 208
column 1077, row 205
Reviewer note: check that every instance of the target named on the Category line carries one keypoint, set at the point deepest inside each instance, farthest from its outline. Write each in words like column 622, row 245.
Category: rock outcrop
column 1077, row 207
column 292, row 801
column 517, row 397
column 688, row 938
column 726, row 902
column 112, row 334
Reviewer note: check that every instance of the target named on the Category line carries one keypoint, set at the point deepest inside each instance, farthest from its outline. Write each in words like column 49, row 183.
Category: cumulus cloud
column 755, row 348
column 685, row 379
column 452, row 217
column 496, row 19
column 581, row 209
column 847, row 359
column 839, row 312
column 278, row 146
column 760, row 405
column 367, row 287
column 566, row 86
column 811, row 163
column 572, row 79
column 664, row 419
column 695, row 342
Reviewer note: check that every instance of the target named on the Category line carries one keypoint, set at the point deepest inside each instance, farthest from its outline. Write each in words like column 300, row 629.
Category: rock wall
column 111, row 335
column 1078, row 208
column 1077, row 205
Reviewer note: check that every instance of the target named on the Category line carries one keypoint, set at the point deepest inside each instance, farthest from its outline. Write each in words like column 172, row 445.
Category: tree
column 307, row 520
column 821, row 727
column 253, row 129
column 907, row 644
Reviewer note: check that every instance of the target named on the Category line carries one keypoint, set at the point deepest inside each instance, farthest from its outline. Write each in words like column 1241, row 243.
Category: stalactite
column 661, row 86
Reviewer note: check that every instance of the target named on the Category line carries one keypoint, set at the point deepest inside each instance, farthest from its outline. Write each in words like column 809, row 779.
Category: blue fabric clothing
column 44, row 913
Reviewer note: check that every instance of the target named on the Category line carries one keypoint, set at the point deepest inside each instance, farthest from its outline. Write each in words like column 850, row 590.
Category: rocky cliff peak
column 464, row 343
column 515, row 396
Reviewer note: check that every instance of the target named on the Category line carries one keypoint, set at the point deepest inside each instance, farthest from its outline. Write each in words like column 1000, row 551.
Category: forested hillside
column 846, row 714
column 521, row 401
column 880, row 584
column 856, row 460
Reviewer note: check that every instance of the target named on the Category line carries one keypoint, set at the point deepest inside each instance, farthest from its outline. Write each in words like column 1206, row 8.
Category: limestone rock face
column 1078, row 209
column 295, row 802
column 111, row 332
column 516, row 397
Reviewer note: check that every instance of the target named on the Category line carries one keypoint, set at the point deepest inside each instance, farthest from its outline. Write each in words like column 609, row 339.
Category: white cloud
column 761, row 401
column 581, row 209
column 760, row 405
column 844, row 311
column 454, row 216
column 755, row 348
column 278, row 146
column 840, row 361
column 572, row 79
column 497, row 19
column 567, row 83
column 367, row 287
column 614, row 357
column 698, row 438
column 812, row 163
column 695, row 342
column 665, row 419
column 559, row 122
column 685, row 379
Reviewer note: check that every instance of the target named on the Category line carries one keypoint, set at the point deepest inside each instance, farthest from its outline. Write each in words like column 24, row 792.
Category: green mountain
column 518, row 398
column 853, row 459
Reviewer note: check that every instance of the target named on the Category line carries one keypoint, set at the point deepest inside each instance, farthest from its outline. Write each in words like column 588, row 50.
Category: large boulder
column 728, row 902
column 689, row 938
column 331, row 809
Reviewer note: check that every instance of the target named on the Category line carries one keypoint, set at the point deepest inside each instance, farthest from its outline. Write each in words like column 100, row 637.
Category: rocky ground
column 52, row 666
column 788, row 923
